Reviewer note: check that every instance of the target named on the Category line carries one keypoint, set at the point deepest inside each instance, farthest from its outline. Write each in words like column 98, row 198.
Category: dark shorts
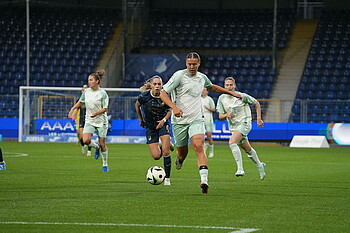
column 152, row 135
column 81, row 123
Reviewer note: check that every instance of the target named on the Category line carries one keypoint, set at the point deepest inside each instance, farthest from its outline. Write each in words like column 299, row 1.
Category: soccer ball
column 155, row 175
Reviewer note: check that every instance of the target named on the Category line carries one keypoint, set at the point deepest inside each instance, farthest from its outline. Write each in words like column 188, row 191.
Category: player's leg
column 102, row 135
column 152, row 137
column 180, row 133
column 254, row 157
column 235, row 138
column 196, row 134
column 165, row 139
column 2, row 162
column 81, row 141
column 210, row 145
column 87, row 136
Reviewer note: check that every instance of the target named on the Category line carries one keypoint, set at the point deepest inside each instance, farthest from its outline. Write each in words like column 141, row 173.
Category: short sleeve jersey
column 186, row 90
column 94, row 102
column 239, row 108
column 153, row 109
column 208, row 115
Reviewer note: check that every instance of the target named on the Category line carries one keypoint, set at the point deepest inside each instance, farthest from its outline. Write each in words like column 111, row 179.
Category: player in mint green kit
column 238, row 115
column 186, row 88
column 208, row 109
column 96, row 101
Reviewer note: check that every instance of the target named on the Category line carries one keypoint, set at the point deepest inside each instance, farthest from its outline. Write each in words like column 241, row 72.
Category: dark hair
column 99, row 75
column 193, row 55
column 147, row 85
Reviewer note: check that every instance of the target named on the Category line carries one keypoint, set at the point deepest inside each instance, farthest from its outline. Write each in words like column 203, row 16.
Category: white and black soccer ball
column 155, row 175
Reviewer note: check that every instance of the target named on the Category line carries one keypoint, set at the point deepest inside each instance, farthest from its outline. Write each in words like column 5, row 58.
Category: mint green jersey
column 208, row 115
column 94, row 102
column 186, row 91
column 239, row 108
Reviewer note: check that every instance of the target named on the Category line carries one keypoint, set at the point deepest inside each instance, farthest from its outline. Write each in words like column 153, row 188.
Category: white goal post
column 49, row 106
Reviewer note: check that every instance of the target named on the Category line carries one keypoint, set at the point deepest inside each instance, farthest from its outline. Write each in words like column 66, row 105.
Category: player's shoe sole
column 262, row 171
column 239, row 173
column 178, row 165
column 205, row 188
column 105, row 169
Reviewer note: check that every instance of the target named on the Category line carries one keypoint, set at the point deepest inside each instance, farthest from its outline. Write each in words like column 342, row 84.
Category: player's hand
column 177, row 112
column 229, row 114
column 93, row 115
column 142, row 124
column 260, row 123
column 160, row 124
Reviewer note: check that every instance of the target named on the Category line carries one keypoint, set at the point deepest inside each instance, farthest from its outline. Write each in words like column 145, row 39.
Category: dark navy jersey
column 153, row 109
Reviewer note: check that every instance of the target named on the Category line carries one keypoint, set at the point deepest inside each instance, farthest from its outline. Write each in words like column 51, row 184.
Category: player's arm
column 138, row 112
column 210, row 109
column 221, row 90
column 73, row 111
column 258, row 115
column 225, row 115
column 165, row 98
column 162, row 121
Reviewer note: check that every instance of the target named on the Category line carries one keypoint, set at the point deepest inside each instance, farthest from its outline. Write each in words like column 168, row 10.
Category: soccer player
column 2, row 162
column 96, row 101
column 80, row 122
column 238, row 115
column 208, row 108
column 154, row 116
column 186, row 88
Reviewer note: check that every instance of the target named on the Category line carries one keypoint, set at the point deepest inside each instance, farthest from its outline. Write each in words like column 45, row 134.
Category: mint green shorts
column 208, row 127
column 244, row 129
column 183, row 132
column 101, row 131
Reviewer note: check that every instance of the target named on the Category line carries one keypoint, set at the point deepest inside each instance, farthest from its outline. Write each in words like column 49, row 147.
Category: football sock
column 211, row 148
column 1, row 158
column 89, row 148
column 81, row 142
column 236, row 152
column 203, row 172
column 254, row 157
column 104, row 157
column 94, row 145
column 167, row 165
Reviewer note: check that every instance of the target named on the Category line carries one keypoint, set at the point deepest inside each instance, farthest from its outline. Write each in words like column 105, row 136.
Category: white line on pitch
column 237, row 229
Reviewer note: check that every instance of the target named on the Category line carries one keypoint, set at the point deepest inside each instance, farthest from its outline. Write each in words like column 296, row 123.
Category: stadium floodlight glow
column 341, row 133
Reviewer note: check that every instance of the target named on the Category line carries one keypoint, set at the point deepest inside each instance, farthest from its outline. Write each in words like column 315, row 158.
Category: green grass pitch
column 57, row 189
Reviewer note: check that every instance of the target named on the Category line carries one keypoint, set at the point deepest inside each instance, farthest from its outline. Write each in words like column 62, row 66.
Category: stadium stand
column 221, row 29
column 66, row 44
column 325, row 84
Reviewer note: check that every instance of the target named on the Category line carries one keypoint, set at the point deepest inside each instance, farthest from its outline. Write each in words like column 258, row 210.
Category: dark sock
column 167, row 166
column 81, row 142
column 1, row 158
column 203, row 167
column 89, row 148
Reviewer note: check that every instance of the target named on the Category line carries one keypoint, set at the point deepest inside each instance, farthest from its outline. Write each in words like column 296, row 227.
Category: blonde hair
column 148, row 84
column 230, row 78
column 99, row 75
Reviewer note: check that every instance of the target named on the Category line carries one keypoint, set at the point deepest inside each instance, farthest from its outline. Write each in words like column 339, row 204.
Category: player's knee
column 87, row 141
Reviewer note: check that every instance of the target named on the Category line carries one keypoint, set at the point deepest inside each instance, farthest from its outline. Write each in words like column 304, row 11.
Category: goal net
column 43, row 115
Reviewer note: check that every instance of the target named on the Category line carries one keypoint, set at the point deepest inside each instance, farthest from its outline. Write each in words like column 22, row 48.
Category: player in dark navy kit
column 154, row 117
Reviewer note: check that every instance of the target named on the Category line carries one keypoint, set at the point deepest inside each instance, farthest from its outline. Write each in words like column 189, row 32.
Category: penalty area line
column 235, row 229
